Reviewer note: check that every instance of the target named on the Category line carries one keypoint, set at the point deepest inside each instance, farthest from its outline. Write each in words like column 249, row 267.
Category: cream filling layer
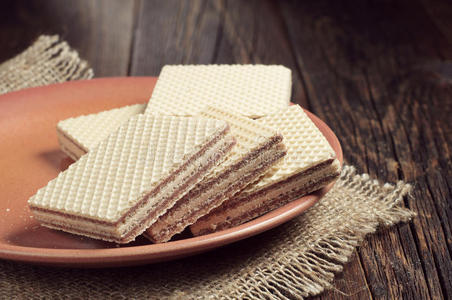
column 262, row 184
column 215, row 219
column 166, row 192
column 68, row 146
column 75, row 224
column 64, row 222
column 212, row 191
column 74, row 231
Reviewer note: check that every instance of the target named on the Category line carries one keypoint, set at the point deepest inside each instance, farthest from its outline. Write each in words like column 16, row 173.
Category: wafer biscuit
column 251, row 90
column 310, row 164
column 123, row 185
column 81, row 134
column 258, row 148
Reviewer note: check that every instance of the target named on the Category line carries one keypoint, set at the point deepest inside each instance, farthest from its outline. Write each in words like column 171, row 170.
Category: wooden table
column 378, row 72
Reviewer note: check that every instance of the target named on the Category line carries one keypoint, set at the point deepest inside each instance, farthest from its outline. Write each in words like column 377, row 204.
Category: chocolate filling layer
column 199, row 153
column 90, row 234
column 206, row 185
column 251, row 156
column 271, row 205
column 71, row 140
column 177, row 194
column 235, row 201
column 165, row 234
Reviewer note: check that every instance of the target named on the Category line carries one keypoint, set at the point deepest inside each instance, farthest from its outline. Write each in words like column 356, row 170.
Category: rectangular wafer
column 310, row 164
column 258, row 148
column 136, row 174
column 251, row 90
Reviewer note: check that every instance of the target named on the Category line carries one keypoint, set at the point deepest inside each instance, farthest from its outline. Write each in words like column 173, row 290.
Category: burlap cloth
column 295, row 260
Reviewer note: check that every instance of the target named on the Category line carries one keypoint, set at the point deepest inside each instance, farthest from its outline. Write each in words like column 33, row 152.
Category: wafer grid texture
column 305, row 143
column 248, row 133
column 88, row 131
column 110, row 179
column 306, row 147
column 248, row 159
column 250, row 90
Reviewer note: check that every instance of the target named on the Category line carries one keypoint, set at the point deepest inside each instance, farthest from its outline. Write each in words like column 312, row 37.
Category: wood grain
column 364, row 66
column 378, row 72
column 254, row 32
column 100, row 30
column 173, row 32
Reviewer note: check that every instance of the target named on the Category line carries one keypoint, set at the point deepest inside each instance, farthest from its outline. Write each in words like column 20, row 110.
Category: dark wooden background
column 378, row 72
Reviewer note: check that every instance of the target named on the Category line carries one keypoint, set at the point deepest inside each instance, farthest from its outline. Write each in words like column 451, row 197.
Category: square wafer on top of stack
column 250, row 90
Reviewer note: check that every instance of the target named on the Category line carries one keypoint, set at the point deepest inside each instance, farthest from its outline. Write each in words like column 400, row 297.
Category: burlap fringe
column 48, row 60
column 323, row 247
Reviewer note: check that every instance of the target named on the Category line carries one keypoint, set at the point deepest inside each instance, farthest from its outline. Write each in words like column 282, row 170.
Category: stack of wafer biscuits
column 258, row 148
column 214, row 147
column 135, row 175
column 310, row 164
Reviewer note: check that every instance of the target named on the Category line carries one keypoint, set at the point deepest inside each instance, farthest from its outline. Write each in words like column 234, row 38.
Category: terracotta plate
column 30, row 157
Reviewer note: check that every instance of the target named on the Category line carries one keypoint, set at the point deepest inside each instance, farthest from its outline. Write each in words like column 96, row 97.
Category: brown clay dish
column 30, row 157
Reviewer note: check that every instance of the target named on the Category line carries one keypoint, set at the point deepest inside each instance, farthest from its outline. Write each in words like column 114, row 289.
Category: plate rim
column 152, row 253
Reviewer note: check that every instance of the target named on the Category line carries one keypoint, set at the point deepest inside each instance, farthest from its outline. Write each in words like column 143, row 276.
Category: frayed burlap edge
column 293, row 261
column 48, row 60
column 305, row 255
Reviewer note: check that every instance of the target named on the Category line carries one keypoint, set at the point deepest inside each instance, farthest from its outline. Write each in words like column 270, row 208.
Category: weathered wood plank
column 100, row 30
column 353, row 56
column 254, row 32
column 350, row 283
column 174, row 32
